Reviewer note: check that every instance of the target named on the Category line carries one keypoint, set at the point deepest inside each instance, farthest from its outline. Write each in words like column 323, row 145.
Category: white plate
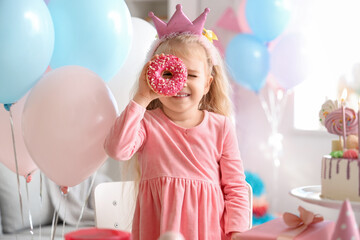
column 311, row 194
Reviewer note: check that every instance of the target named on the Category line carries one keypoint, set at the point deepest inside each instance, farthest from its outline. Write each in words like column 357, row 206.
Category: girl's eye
column 192, row 75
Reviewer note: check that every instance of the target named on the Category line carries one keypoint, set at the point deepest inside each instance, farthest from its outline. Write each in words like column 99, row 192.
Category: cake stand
column 312, row 194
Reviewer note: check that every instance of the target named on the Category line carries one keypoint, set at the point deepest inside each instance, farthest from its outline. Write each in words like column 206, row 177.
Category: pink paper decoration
column 220, row 47
column 229, row 21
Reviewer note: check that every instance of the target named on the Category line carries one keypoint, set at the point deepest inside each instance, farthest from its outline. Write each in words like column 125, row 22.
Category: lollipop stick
column 344, row 126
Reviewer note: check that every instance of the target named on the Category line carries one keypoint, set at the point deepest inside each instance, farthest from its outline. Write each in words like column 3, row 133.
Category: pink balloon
column 65, row 121
column 244, row 26
column 25, row 163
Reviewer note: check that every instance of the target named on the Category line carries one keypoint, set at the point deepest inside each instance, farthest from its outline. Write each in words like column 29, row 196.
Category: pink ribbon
column 298, row 224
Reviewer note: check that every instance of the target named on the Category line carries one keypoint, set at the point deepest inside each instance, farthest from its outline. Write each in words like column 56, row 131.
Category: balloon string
column 265, row 107
column 55, row 219
column 16, row 166
column 272, row 107
column 283, row 102
column 41, row 186
column 273, row 110
column 64, row 220
column 86, row 200
column 30, row 217
column 41, row 206
column 54, row 222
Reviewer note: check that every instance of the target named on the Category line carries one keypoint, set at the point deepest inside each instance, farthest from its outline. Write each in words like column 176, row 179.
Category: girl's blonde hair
column 217, row 100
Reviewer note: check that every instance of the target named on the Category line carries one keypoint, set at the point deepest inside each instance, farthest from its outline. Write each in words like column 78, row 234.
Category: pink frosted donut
column 173, row 67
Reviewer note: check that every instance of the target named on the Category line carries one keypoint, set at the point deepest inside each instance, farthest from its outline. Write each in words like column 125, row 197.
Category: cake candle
column 358, row 128
column 343, row 97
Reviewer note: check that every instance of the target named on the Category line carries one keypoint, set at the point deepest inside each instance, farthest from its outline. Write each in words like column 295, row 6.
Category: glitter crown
column 179, row 23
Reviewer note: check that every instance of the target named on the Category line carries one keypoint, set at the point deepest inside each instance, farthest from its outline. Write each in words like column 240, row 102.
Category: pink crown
column 179, row 23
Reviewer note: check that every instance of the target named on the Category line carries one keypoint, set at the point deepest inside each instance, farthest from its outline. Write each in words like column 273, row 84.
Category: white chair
column 250, row 204
column 115, row 205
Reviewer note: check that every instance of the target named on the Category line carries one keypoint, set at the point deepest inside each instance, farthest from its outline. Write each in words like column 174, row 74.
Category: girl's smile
column 182, row 94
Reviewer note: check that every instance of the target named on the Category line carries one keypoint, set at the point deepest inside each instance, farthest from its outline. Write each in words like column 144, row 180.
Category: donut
column 166, row 74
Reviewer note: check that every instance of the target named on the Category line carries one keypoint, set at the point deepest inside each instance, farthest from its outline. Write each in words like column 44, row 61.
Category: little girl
column 192, row 178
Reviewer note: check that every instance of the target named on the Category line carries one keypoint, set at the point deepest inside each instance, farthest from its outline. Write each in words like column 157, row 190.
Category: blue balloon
column 267, row 18
column 248, row 60
column 95, row 34
column 26, row 45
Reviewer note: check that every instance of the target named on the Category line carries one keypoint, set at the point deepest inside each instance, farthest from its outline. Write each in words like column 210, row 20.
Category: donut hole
column 167, row 75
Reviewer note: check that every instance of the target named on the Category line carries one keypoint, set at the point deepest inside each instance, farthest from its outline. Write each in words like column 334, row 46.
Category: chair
column 250, row 191
column 115, row 205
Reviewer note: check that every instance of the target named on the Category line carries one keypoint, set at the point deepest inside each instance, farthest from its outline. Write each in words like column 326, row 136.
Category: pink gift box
column 272, row 229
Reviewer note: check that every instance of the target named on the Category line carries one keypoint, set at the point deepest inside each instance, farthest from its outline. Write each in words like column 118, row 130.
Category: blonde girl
column 191, row 174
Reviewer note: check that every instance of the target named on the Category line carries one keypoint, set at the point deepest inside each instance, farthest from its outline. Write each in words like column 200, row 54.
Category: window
column 333, row 45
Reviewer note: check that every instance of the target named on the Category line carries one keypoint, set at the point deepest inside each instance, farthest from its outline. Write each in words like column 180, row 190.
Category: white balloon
column 121, row 85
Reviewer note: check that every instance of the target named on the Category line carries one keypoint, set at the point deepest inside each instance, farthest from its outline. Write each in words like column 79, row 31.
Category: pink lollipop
column 334, row 122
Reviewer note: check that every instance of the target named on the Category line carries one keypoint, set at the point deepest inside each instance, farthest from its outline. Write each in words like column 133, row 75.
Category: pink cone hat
column 346, row 227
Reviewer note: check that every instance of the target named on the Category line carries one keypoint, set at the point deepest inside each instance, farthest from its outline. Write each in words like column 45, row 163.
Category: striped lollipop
column 327, row 108
column 334, row 122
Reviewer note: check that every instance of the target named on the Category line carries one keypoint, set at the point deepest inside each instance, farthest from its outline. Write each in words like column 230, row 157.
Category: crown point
column 178, row 7
column 179, row 23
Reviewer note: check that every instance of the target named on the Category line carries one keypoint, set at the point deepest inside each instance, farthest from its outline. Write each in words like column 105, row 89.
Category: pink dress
column 192, row 180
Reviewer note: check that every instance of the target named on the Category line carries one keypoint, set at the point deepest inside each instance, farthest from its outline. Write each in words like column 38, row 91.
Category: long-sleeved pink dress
column 192, row 180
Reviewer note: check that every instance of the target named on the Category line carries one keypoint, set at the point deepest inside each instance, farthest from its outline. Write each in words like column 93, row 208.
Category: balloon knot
column 28, row 178
column 64, row 190
column 7, row 106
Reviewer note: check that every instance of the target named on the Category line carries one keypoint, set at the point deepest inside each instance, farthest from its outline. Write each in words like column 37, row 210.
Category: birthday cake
column 340, row 178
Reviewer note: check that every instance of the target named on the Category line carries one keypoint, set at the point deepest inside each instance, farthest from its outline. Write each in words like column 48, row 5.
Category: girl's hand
column 235, row 236
column 145, row 94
